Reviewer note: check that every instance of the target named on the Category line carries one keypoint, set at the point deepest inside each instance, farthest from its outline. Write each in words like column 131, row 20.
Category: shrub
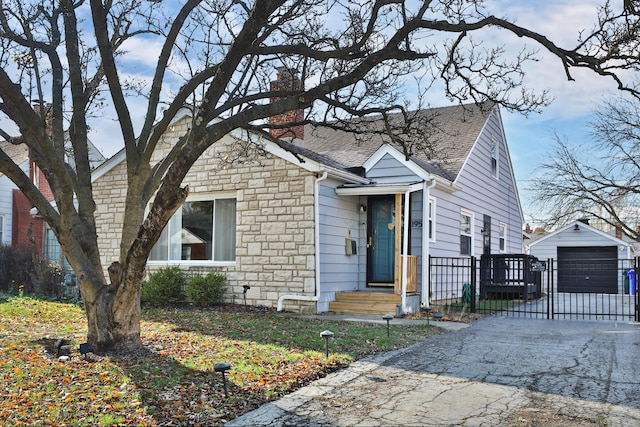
column 164, row 287
column 16, row 268
column 206, row 290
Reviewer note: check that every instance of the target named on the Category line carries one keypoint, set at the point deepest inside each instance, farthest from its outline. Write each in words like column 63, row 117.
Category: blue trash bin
column 632, row 281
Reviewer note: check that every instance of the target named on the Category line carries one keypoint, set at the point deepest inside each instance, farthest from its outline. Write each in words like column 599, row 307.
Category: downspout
column 425, row 300
column 316, row 220
column 405, row 249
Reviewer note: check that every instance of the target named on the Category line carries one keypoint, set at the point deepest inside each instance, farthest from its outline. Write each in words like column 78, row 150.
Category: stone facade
column 274, row 221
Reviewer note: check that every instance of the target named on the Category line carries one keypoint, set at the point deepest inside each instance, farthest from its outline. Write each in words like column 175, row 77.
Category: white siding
column 389, row 170
column 6, row 204
column 482, row 194
column 548, row 247
column 6, row 189
column 340, row 219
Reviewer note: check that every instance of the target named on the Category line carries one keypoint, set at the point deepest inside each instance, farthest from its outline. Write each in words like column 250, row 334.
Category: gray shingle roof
column 442, row 149
column 17, row 153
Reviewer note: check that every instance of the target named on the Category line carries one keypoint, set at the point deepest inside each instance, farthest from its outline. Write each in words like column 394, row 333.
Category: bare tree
column 218, row 56
column 602, row 181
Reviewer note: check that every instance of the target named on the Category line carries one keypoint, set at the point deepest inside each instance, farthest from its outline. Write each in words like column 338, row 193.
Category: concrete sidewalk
column 498, row 372
column 449, row 326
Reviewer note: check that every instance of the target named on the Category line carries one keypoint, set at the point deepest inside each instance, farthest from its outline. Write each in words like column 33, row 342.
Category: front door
column 381, row 242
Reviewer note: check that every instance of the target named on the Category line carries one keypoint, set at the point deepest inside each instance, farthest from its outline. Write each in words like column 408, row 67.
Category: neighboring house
column 587, row 259
column 18, row 218
column 11, row 200
column 332, row 215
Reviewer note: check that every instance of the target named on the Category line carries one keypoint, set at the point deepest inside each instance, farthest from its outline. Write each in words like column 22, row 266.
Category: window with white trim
column 466, row 233
column 52, row 251
column 432, row 219
column 502, row 237
column 494, row 158
column 204, row 229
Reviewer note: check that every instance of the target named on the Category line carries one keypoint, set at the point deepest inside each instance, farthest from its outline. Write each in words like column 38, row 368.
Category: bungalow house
column 332, row 215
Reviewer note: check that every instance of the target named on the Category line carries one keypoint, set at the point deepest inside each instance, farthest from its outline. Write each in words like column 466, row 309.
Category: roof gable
column 453, row 132
column 581, row 225
column 387, row 151
column 292, row 153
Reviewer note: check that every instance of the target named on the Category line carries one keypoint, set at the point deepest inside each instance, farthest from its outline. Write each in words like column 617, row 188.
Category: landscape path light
column 326, row 335
column 244, row 295
column 388, row 317
column 223, row 367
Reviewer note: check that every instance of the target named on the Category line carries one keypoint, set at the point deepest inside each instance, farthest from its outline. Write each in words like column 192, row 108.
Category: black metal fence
column 521, row 285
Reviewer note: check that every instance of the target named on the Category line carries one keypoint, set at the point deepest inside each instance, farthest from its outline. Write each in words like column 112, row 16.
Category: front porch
column 382, row 300
column 392, row 241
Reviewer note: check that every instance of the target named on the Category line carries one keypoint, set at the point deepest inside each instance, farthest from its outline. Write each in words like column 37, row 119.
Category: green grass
column 270, row 354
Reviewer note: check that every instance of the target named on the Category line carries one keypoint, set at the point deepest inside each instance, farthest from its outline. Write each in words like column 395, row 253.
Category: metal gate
column 524, row 286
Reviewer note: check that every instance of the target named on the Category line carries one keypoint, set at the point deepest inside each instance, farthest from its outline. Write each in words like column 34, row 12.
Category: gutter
column 425, row 298
column 316, row 220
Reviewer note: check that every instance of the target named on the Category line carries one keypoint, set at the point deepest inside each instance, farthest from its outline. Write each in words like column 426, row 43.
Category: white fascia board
column 108, row 164
column 445, row 185
column 121, row 155
column 587, row 227
column 387, row 149
column 377, row 190
column 239, row 135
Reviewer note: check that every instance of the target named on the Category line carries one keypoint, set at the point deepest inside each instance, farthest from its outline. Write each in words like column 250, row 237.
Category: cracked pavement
column 501, row 371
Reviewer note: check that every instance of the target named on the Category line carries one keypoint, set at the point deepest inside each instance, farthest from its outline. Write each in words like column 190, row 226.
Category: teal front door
column 381, row 242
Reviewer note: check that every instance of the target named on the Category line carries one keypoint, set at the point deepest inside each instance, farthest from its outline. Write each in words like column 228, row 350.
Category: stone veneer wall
column 275, row 222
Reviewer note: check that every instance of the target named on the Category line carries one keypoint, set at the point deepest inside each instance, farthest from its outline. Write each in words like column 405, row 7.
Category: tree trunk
column 113, row 326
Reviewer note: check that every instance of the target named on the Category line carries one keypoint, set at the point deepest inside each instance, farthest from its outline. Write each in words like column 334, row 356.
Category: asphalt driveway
column 501, row 371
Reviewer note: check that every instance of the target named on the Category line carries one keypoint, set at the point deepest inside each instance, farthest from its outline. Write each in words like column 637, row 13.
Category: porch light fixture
column 223, row 368
column 326, row 335
column 363, row 208
column 388, row 318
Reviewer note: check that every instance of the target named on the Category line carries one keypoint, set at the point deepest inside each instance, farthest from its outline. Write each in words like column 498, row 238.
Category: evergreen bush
column 164, row 287
column 206, row 291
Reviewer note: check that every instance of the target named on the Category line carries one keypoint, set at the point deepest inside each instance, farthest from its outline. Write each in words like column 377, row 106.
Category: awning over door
column 378, row 189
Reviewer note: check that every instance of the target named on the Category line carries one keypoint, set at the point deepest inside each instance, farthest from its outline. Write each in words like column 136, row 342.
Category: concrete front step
column 360, row 296
column 365, row 303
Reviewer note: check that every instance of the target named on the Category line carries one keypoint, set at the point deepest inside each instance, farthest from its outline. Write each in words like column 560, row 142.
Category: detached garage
column 586, row 259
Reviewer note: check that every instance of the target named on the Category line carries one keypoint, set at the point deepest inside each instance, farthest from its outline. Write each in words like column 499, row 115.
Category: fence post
column 550, row 286
column 474, row 278
column 636, row 297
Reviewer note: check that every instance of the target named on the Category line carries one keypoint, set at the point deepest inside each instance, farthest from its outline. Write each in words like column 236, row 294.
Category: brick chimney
column 287, row 81
column 618, row 230
column 36, row 175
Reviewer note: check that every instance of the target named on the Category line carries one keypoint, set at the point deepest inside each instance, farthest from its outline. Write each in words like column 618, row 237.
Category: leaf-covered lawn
column 175, row 384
